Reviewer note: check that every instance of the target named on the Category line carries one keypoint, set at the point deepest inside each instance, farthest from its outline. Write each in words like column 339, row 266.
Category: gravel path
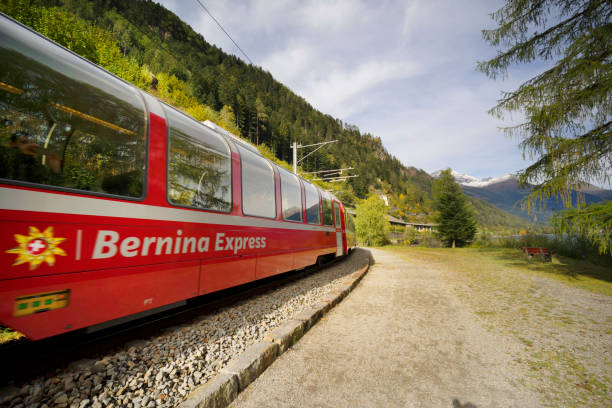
column 402, row 338
column 161, row 371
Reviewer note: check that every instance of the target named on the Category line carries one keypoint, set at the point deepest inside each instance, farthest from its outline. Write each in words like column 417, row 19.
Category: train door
column 338, row 225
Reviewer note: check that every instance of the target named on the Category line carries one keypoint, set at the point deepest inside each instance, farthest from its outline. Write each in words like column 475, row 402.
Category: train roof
column 231, row 136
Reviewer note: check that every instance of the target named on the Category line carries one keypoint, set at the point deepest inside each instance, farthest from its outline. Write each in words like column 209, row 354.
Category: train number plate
column 41, row 302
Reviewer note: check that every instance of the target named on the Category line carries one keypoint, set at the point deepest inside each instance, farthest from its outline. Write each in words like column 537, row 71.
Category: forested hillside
column 151, row 47
column 265, row 111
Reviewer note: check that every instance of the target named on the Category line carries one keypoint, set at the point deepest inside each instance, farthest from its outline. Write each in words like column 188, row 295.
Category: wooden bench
column 543, row 253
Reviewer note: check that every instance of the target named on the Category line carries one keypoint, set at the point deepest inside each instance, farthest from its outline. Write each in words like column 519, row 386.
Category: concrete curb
column 244, row 369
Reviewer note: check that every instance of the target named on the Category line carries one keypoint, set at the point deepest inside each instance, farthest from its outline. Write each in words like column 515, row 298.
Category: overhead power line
column 223, row 29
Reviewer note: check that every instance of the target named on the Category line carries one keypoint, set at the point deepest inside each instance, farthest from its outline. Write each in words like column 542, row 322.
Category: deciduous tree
column 371, row 224
column 567, row 107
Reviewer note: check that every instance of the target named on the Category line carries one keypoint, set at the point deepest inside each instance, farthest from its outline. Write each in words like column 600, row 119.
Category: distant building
column 398, row 226
column 419, row 226
column 396, row 221
column 422, row 227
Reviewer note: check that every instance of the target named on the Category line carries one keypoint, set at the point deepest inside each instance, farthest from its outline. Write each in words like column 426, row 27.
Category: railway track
column 159, row 358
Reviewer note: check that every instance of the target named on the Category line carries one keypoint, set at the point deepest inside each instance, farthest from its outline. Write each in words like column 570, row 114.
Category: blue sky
column 401, row 70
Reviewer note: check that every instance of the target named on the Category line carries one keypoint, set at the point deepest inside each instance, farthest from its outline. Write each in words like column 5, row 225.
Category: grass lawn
column 574, row 272
column 560, row 312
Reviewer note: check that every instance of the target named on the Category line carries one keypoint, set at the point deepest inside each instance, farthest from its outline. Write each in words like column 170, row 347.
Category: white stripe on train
column 39, row 201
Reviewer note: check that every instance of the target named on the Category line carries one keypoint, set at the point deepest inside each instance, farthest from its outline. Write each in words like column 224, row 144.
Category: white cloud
column 415, row 13
column 330, row 15
column 401, row 70
column 335, row 91
column 292, row 62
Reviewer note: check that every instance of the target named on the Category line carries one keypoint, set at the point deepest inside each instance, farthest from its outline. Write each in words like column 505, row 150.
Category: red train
column 115, row 204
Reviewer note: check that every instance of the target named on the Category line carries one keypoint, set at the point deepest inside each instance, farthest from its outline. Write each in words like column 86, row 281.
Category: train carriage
column 114, row 203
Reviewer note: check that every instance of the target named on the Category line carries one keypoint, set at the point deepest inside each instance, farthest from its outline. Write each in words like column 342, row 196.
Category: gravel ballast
column 163, row 370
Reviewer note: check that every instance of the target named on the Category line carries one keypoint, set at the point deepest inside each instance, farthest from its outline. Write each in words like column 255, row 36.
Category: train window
column 313, row 208
column 65, row 122
column 337, row 215
column 199, row 165
column 291, row 194
column 258, row 187
column 328, row 217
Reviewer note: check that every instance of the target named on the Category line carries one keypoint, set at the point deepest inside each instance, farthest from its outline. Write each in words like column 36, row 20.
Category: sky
column 404, row 71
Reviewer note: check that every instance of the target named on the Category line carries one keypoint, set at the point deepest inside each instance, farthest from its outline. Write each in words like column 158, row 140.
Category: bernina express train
column 114, row 204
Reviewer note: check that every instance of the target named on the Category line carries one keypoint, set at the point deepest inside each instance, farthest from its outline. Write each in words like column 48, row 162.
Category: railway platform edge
column 243, row 370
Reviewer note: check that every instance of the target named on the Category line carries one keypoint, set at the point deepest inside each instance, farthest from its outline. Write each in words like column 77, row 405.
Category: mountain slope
column 508, row 195
column 175, row 63
column 505, row 192
column 265, row 110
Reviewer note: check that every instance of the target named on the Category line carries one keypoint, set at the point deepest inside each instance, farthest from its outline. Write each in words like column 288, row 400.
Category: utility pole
column 295, row 146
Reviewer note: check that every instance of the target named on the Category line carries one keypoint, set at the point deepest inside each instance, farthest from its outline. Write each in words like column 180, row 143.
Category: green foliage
column 410, row 236
column 567, row 108
column 493, row 218
column 371, row 224
column 456, row 223
column 428, row 239
column 79, row 36
column 593, row 223
column 100, row 46
column 571, row 246
column 483, row 240
column 7, row 334
column 251, row 103
column 146, row 44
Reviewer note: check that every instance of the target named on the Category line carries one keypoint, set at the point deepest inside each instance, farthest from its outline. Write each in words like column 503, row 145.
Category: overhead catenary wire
column 223, row 29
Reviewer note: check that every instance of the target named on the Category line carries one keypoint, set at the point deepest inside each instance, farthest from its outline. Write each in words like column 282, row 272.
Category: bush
column 429, row 240
column 483, row 240
column 410, row 236
column 569, row 246
column 371, row 224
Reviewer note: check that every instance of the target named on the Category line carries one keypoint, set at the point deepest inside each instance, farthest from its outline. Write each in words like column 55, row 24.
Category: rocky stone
column 62, row 399
column 252, row 362
column 8, row 393
column 217, row 393
column 68, row 384
column 287, row 334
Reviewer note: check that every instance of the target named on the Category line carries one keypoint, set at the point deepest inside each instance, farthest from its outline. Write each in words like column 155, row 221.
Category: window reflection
column 57, row 131
column 313, row 209
column 328, row 217
column 337, row 215
column 199, row 167
column 291, row 194
column 258, row 190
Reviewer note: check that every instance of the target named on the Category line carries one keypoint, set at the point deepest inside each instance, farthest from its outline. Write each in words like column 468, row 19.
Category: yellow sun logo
column 36, row 248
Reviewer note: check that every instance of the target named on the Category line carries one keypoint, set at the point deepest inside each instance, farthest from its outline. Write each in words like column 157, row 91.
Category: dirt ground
column 430, row 330
column 561, row 335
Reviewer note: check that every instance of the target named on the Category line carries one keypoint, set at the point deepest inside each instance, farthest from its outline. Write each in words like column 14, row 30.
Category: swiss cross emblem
column 37, row 247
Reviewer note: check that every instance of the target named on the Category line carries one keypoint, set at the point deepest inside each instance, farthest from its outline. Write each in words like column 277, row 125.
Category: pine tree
column 456, row 223
column 567, row 108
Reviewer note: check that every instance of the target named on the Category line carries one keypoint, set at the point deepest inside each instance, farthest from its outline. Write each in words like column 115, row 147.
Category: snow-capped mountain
column 504, row 192
column 471, row 181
